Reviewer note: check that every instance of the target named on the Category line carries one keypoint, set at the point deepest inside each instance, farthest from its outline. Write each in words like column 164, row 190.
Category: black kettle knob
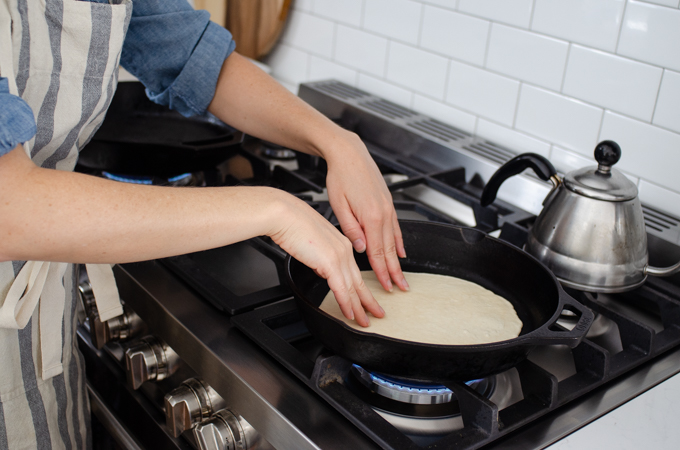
column 607, row 153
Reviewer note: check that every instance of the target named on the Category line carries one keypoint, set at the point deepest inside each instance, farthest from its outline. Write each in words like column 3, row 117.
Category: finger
column 349, row 225
column 391, row 258
column 376, row 254
column 398, row 237
column 367, row 300
column 341, row 295
column 359, row 313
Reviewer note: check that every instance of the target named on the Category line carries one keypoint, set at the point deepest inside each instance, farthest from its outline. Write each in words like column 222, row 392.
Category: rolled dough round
column 438, row 309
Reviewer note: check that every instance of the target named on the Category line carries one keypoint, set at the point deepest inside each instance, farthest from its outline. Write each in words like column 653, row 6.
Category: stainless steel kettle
column 591, row 232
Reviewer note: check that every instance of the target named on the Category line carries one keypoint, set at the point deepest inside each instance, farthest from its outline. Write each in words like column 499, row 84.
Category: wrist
column 341, row 145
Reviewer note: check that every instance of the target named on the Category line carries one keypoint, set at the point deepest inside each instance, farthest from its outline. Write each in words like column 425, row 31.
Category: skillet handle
column 573, row 337
column 543, row 168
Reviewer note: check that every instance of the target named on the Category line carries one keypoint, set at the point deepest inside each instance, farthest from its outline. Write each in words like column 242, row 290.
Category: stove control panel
column 149, row 359
column 189, row 404
column 226, row 430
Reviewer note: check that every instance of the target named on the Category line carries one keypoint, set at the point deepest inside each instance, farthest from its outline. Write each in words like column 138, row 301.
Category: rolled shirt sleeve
column 176, row 52
column 17, row 123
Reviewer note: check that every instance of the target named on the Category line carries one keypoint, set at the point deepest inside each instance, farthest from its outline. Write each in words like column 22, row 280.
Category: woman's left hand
column 363, row 205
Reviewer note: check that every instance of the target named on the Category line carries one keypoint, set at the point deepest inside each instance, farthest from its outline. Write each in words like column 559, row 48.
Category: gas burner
column 415, row 392
column 410, row 398
column 184, row 179
column 278, row 152
column 422, row 411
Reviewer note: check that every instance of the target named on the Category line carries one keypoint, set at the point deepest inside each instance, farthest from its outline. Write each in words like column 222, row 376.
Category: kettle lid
column 602, row 182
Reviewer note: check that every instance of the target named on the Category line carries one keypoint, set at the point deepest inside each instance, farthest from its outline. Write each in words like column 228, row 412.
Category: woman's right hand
column 311, row 239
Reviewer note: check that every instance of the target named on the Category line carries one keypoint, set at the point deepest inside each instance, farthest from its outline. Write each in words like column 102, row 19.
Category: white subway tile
column 561, row 120
column 360, row 50
column 416, row 69
column 621, row 84
column 667, row 113
column 528, row 56
column 456, row 35
column 651, row 33
column 385, row 90
column 595, row 23
column 303, row 5
column 659, row 198
column 322, row 69
column 647, row 151
column 448, row 4
column 302, row 25
column 345, row 11
column 445, row 113
column 671, row 3
column 512, row 12
column 483, row 93
column 512, row 139
column 566, row 161
column 288, row 64
column 397, row 19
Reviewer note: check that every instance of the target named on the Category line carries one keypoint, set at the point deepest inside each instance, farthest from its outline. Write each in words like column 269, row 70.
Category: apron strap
column 40, row 280
column 105, row 291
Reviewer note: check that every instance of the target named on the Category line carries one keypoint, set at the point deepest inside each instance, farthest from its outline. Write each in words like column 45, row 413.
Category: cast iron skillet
column 139, row 137
column 465, row 253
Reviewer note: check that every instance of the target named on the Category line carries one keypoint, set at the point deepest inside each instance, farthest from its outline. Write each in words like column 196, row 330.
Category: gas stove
column 212, row 352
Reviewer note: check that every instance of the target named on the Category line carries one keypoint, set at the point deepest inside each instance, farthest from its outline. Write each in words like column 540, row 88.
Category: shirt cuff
column 194, row 88
column 17, row 123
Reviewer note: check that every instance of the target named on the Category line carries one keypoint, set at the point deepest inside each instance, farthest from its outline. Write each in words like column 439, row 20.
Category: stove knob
column 118, row 328
column 189, row 404
column 87, row 296
column 149, row 359
column 226, row 431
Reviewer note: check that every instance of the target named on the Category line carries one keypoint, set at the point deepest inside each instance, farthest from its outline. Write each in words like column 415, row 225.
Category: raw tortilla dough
column 438, row 309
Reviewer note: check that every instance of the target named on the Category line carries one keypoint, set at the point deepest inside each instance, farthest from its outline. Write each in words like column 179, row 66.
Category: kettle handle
column 543, row 168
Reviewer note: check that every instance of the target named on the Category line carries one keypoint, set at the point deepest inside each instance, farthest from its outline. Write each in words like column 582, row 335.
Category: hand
column 363, row 205
column 312, row 240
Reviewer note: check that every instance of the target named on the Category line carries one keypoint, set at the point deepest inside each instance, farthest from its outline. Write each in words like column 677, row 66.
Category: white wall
column 547, row 76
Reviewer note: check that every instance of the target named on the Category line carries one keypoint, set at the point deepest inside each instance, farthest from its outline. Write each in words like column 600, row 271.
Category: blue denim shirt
column 170, row 47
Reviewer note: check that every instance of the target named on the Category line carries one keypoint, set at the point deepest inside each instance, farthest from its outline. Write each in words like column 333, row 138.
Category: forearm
column 250, row 100
column 51, row 215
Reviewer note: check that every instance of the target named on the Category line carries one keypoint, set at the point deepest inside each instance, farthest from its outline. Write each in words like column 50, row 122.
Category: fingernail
column 359, row 245
column 381, row 309
column 389, row 286
column 405, row 284
column 351, row 315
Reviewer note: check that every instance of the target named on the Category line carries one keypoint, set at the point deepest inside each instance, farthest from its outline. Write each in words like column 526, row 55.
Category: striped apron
column 61, row 56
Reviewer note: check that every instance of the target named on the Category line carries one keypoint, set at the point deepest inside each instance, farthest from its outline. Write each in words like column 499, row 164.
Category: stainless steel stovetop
column 225, row 317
